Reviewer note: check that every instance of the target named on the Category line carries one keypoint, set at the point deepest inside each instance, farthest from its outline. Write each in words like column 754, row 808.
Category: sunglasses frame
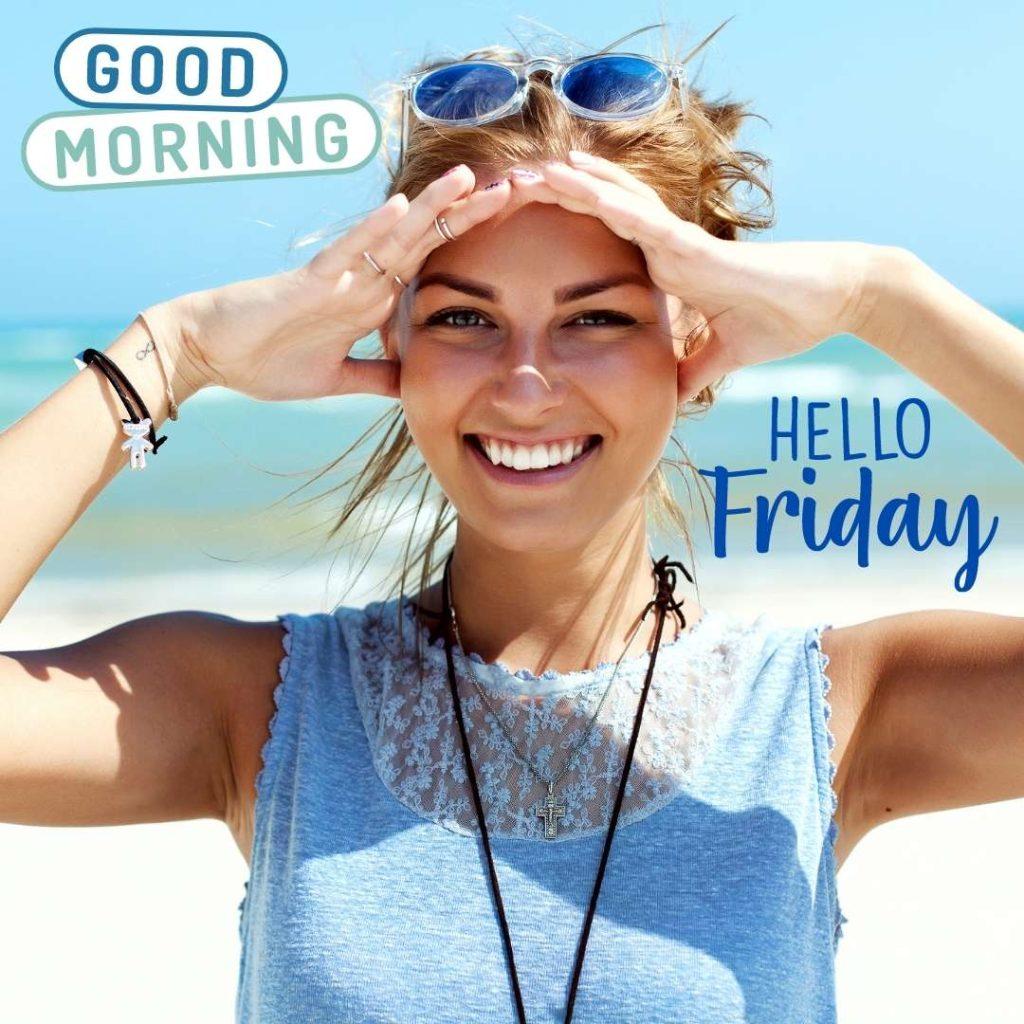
column 672, row 71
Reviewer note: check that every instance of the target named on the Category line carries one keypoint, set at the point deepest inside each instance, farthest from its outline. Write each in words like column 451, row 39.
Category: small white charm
column 137, row 444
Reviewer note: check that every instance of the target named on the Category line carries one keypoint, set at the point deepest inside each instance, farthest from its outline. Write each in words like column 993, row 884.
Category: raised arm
column 59, row 456
column 127, row 725
column 130, row 725
column 939, row 698
column 966, row 352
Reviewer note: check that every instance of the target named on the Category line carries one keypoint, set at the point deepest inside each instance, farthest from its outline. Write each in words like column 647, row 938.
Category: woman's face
column 539, row 325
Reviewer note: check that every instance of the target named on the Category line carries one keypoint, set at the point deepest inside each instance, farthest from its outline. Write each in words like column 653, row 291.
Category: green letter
column 342, row 143
column 160, row 147
column 66, row 149
column 133, row 145
column 208, row 141
column 277, row 137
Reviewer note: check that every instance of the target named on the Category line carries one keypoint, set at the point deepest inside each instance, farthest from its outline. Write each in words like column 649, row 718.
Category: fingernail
column 579, row 157
column 452, row 170
column 524, row 172
column 494, row 184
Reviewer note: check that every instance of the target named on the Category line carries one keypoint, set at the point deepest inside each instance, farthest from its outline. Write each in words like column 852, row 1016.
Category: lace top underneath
column 417, row 745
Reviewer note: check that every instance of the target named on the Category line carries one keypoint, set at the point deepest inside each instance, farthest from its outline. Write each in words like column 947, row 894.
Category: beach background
column 140, row 922
column 144, row 916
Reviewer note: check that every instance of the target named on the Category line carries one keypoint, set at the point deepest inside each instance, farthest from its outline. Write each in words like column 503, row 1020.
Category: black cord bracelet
column 121, row 384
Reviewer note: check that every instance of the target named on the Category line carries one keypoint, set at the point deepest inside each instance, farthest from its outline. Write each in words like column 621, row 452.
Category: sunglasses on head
column 601, row 87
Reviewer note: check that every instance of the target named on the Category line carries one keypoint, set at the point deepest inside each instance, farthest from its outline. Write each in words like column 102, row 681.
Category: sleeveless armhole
column 825, row 741
column 269, row 754
column 270, row 751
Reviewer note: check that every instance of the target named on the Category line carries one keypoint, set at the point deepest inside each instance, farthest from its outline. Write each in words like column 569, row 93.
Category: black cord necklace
column 664, row 601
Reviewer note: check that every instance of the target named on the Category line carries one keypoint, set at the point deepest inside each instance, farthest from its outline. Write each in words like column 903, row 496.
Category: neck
column 562, row 610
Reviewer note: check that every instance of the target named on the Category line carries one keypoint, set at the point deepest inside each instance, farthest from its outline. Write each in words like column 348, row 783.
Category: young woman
column 578, row 793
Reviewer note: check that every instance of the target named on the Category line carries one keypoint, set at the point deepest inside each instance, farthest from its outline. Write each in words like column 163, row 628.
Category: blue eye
column 443, row 317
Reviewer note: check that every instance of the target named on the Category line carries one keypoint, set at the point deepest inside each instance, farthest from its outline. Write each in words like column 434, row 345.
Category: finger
column 338, row 257
column 609, row 170
column 460, row 216
column 386, row 235
column 433, row 200
column 416, row 235
column 629, row 215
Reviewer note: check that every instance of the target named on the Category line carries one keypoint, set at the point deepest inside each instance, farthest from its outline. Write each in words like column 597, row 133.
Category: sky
column 889, row 123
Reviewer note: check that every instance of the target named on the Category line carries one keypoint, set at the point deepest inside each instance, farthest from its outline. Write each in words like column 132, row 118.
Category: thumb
column 370, row 376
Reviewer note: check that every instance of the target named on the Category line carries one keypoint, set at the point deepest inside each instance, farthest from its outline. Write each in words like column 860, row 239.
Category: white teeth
column 539, row 456
column 528, row 457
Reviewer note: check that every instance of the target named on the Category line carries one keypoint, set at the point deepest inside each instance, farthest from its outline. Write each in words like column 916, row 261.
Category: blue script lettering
column 851, row 520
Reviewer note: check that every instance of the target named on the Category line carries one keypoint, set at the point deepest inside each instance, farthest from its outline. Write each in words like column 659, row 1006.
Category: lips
column 532, row 477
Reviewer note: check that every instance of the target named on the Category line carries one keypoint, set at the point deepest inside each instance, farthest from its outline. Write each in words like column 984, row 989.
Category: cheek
column 640, row 400
column 434, row 390
column 427, row 371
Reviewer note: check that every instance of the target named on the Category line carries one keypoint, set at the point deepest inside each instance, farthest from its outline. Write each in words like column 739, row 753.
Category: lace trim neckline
column 499, row 676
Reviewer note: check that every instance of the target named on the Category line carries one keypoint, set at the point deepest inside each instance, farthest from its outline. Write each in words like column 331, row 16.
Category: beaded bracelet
column 138, row 425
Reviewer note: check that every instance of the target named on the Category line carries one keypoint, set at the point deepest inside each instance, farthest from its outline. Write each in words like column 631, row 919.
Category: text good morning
column 307, row 135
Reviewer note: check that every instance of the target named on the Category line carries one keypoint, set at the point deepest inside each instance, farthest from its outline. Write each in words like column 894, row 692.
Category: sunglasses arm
column 405, row 122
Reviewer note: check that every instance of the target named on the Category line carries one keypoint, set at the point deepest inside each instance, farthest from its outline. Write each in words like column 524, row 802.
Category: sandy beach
column 141, row 921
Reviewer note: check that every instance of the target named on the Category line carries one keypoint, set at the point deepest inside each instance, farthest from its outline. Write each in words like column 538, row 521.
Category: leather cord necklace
column 664, row 601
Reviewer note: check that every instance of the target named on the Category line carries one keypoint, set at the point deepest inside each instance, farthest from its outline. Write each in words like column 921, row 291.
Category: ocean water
column 204, row 505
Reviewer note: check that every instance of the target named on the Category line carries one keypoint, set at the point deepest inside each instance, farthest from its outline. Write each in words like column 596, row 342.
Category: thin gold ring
column 373, row 263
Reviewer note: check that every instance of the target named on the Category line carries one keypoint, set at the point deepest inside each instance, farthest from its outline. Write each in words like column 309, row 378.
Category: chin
column 541, row 531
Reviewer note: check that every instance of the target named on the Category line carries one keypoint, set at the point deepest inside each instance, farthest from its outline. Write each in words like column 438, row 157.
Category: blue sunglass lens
column 465, row 90
column 615, row 84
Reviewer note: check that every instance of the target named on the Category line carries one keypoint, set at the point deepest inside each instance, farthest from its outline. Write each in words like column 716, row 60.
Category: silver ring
column 399, row 280
column 373, row 263
column 443, row 230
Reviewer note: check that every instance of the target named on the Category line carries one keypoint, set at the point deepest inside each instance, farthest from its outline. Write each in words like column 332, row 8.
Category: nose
column 528, row 380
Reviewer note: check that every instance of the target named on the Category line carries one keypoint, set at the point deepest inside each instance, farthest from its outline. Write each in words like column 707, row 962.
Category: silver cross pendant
column 551, row 811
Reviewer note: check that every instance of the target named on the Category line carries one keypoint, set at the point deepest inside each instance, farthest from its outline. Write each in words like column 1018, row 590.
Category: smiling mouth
column 591, row 442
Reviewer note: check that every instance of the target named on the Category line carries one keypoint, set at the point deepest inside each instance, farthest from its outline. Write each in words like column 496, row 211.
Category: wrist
column 174, row 328
column 889, row 275
column 151, row 355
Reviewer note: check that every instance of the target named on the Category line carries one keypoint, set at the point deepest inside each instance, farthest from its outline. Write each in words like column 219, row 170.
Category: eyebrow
column 570, row 293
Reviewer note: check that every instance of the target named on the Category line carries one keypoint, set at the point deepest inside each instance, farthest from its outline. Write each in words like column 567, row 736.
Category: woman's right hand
column 287, row 336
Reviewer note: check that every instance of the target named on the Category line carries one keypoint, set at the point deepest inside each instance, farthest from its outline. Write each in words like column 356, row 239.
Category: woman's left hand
column 762, row 301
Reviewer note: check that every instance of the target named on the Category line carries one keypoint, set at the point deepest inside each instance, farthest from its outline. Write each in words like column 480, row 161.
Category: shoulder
column 259, row 661
column 246, row 657
column 229, row 660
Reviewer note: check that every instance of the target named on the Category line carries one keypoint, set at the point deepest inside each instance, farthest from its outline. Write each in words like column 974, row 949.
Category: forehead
column 544, row 238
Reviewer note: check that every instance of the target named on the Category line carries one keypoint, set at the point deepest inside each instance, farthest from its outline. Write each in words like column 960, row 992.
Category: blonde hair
column 685, row 151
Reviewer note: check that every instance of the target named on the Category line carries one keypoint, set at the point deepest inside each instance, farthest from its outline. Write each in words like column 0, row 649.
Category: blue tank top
column 368, row 896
